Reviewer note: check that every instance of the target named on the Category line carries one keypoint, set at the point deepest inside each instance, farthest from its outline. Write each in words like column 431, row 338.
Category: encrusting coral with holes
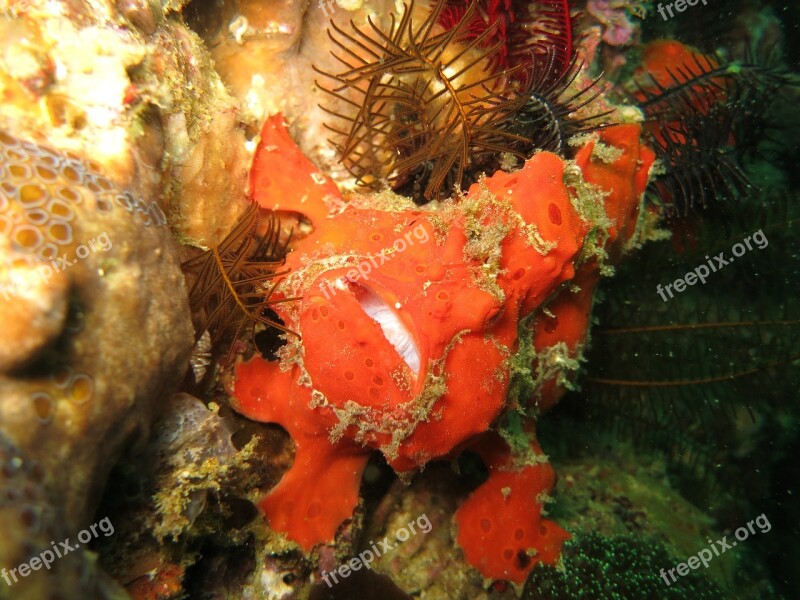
column 87, row 347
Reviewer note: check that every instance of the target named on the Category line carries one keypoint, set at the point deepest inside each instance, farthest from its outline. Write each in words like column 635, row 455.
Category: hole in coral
column 486, row 525
column 71, row 174
column 377, row 380
column 518, row 534
column 61, row 376
column 37, row 216
column 45, row 173
column 518, row 274
column 523, row 560
column 349, row 375
column 27, row 236
column 61, row 233
column 48, row 251
column 104, row 183
column 82, row 389
column 508, row 554
column 43, row 407
column 60, row 209
column 124, row 201
column 19, row 171
column 69, row 194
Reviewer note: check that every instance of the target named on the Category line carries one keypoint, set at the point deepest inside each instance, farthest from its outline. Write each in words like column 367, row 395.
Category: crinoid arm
column 232, row 283
column 414, row 104
column 549, row 116
column 706, row 116
column 701, row 161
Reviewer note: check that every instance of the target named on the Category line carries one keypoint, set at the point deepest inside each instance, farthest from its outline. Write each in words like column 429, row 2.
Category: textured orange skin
column 463, row 333
column 502, row 518
column 268, row 185
column 495, row 529
column 625, row 180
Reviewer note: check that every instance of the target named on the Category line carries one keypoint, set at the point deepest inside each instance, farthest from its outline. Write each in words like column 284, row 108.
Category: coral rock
column 87, row 382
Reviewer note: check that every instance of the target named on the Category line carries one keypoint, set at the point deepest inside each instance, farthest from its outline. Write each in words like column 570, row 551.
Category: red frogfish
column 410, row 321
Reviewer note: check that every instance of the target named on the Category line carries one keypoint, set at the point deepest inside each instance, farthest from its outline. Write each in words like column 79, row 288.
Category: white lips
column 393, row 329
